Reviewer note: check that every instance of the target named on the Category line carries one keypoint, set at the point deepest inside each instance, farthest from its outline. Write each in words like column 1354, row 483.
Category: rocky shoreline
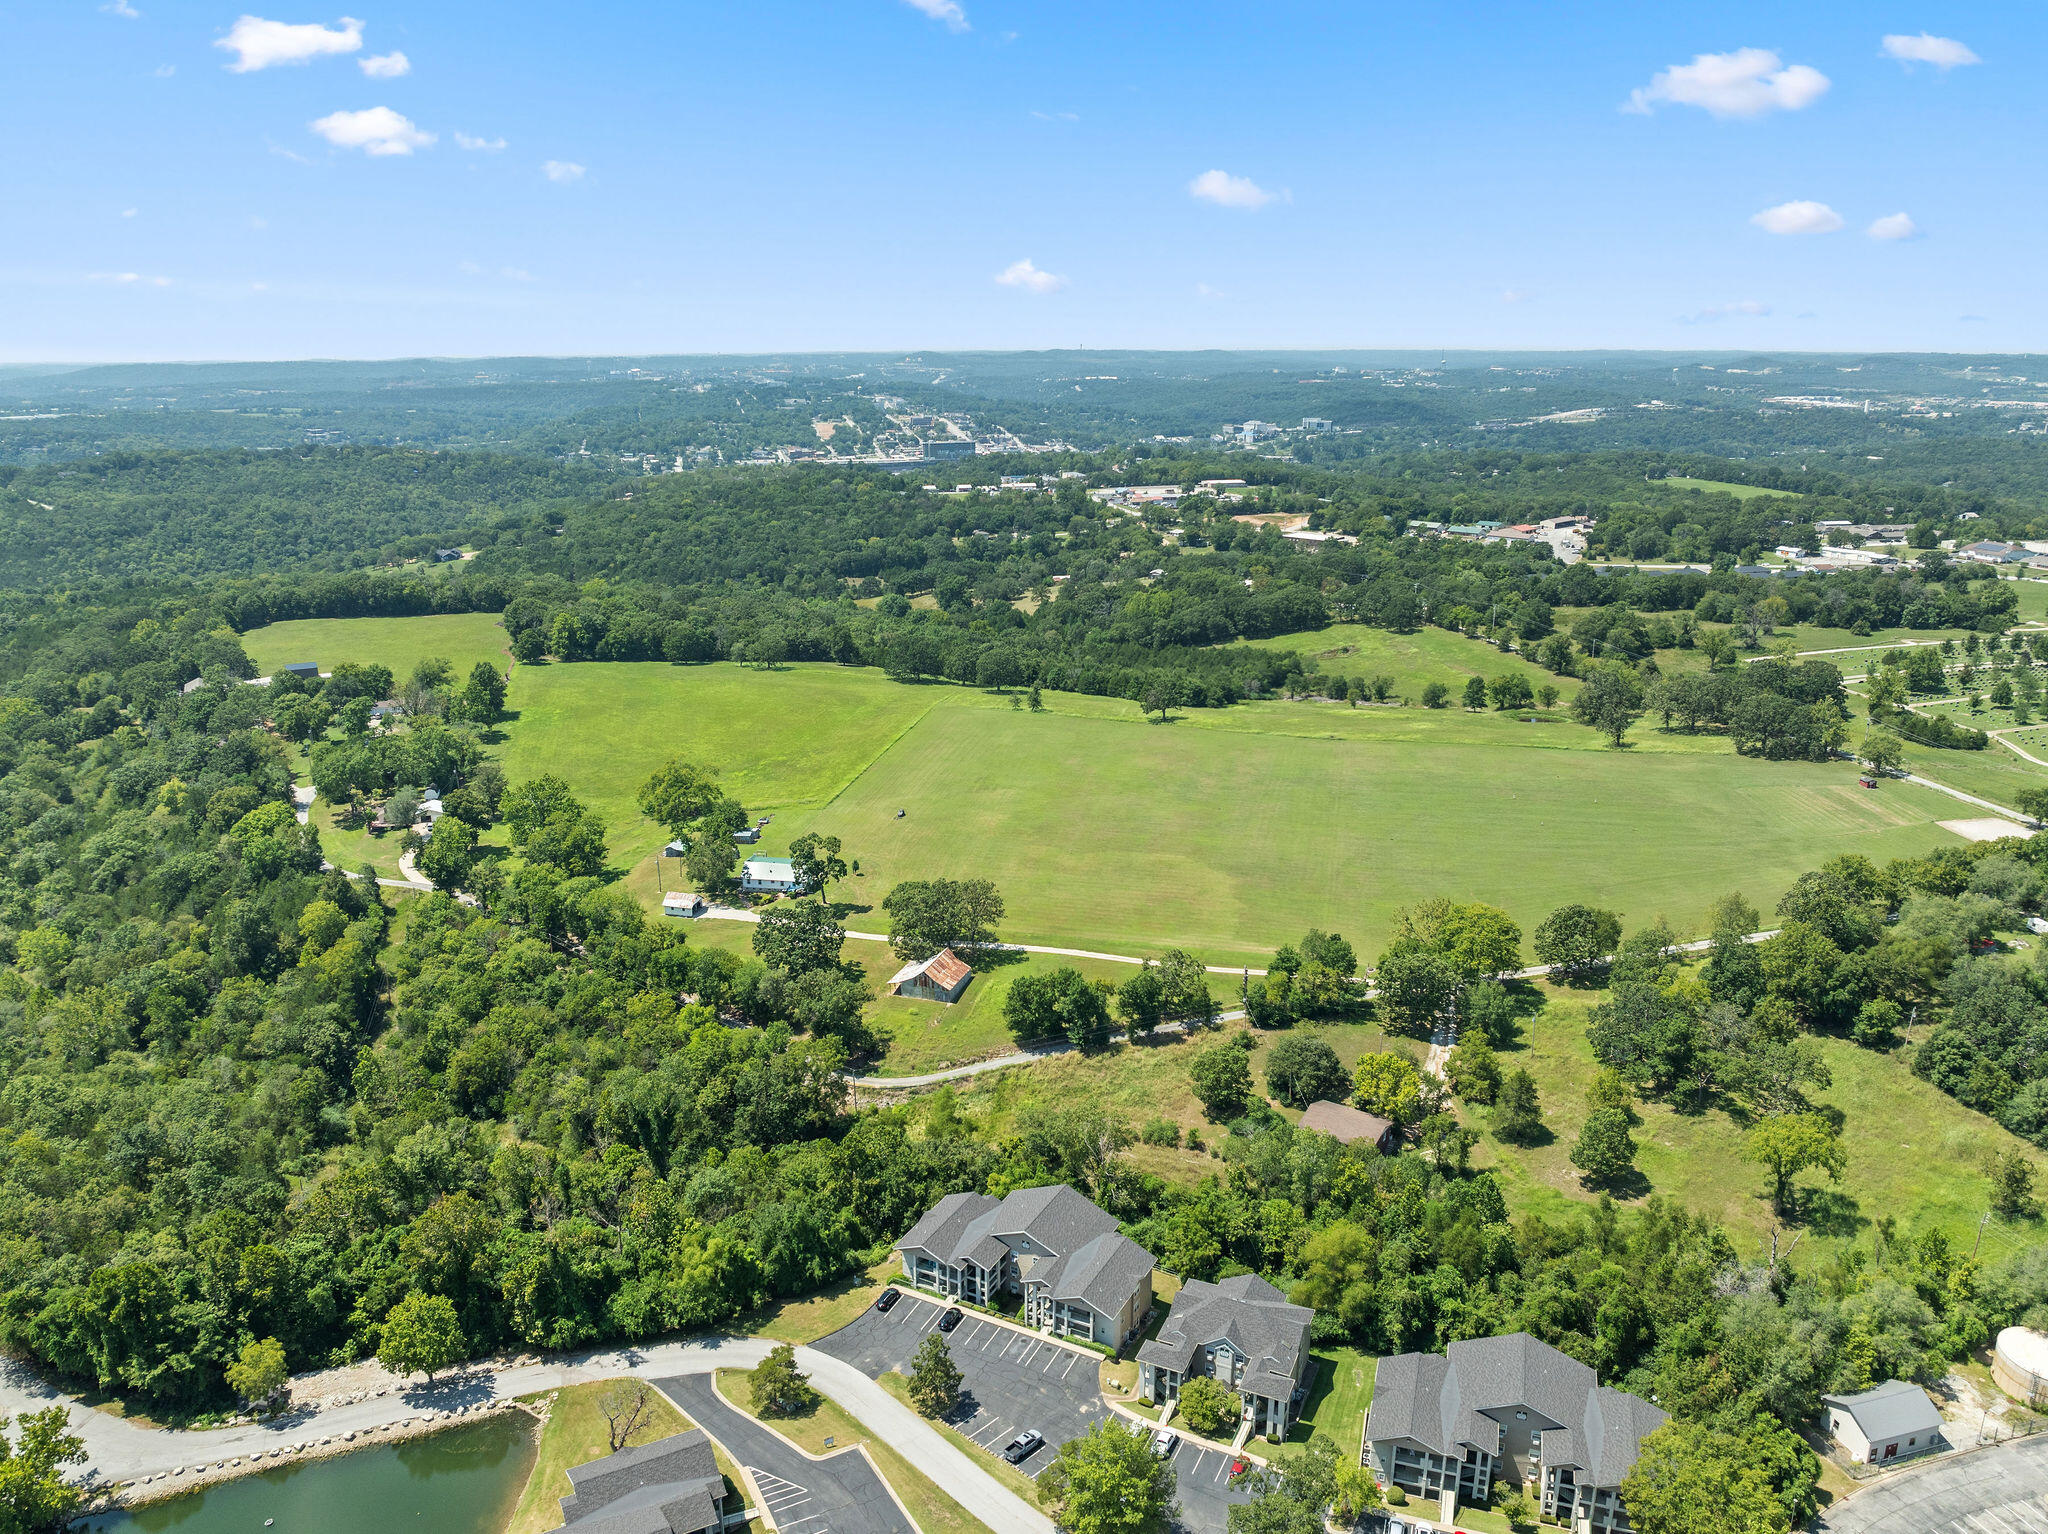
column 185, row 1478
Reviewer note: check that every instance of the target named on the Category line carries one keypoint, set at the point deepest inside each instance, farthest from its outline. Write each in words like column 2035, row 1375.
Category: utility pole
column 1980, row 1234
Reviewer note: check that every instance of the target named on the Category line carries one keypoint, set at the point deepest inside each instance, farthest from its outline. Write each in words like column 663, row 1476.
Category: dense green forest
column 163, row 516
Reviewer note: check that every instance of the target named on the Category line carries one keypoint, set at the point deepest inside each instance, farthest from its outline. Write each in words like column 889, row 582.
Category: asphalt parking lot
column 1011, row 1381
column 1988, row 1491
column 840, row 1494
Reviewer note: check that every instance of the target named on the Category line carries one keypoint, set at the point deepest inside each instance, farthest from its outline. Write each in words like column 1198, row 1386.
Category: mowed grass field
column 1414, row 660
column 400, row 643
column 1129, row 838
column 1226, row 832
column 1725, row 487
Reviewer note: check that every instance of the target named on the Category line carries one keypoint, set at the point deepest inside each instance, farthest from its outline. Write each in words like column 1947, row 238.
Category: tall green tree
column 35, row 1495
column 421, row 1336
column 934, row 1378
column 1108, row 1481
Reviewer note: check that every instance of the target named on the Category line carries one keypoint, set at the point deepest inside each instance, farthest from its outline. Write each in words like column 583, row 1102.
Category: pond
column 464, row 1480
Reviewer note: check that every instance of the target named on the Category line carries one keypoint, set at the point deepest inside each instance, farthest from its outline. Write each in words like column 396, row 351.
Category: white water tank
column 2019, row 1363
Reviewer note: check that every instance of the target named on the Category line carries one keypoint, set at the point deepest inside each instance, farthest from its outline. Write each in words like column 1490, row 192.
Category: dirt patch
column 1987, row 829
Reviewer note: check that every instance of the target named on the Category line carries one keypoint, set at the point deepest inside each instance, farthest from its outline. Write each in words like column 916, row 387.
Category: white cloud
column 1798, row 218
column 1941, row 52
column 516, row 274
column 563, row 171
column 1893, row 226
column 1228, row 191
column 1026, row 275
column 258, row 221
column 130, row 280
column 374, row 130
column 1745, row 308
column 946, row 11
column 1516, row 296
column 165, row 71
column 1746, row 83
column 1203, row 290
column 385, row 66
column 129, row 212
column 121, row 8
column 258, row 44
column 1056, row 117
column 469, row 269
column 488, row 145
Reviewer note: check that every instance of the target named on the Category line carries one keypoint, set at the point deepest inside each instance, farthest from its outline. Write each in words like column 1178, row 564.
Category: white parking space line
column 1076, row 1358
column 1030, row 1353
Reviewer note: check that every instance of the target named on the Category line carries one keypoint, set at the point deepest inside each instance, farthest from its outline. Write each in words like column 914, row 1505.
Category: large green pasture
column 1725, row 487
column 1130, row 837
column 400, row 643
column 1412, row 660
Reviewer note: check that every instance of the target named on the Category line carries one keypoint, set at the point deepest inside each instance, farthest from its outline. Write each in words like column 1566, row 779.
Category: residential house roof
column 1080, row 1254
column 944, row 969
column 1439, row 1402
column 671, row 1486
column 1345, row 1122
column 773, row 870
column 1101, row 1275
column 1249, row 1314
column 1887, row 1410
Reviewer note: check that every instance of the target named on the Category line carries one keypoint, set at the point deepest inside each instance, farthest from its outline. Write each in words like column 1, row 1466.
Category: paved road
column 119, row 1450
column 1011, row 1381
column 840, row 1494
column 1991, row 1491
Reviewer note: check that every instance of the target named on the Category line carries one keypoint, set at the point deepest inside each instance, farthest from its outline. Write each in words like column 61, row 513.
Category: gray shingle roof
column 1054, row 1217
column 943, row 1232
column 1605, row 1441
column 1101, row 1275
column 1887, row 1410
column 671, row 1486
column 1248, row 1313
column 1438, row 1402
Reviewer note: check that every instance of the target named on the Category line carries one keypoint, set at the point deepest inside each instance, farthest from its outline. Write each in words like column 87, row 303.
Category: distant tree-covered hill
column 170, row 515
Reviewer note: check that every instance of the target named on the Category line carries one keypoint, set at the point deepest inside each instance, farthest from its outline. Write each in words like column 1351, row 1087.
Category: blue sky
column 445, row 177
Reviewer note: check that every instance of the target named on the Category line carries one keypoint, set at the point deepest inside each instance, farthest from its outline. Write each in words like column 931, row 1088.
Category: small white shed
column 1892, row 1421
column 682, row 903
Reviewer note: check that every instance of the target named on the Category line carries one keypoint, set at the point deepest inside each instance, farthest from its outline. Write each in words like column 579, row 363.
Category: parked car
column 889, row 1298
column 1164, row 1442
column 1239, row 1466
column 951, row 1319
column 1023, row 1446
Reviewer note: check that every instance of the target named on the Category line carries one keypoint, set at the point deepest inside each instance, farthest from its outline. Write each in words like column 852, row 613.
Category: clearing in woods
column 462, row 639
column 1225, row 831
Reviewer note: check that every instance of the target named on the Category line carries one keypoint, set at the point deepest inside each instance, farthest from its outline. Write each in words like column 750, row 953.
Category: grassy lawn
column 1139, row 1082
column 1227, row 831
column 576, row 1434
column 1912, row 1151
column 933, row 1510
column 1271, row 836
column 823, row 1313
column 400, row 643
column 350, row 849
column 1013, row 1479
column 1337, row 1401
column 1725, row 487
column 1993, row 773
column 781, row 738
column 1412, row 660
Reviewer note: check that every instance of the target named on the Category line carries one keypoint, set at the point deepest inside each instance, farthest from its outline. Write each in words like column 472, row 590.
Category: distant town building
column 941, row 451
column 1314, row 423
